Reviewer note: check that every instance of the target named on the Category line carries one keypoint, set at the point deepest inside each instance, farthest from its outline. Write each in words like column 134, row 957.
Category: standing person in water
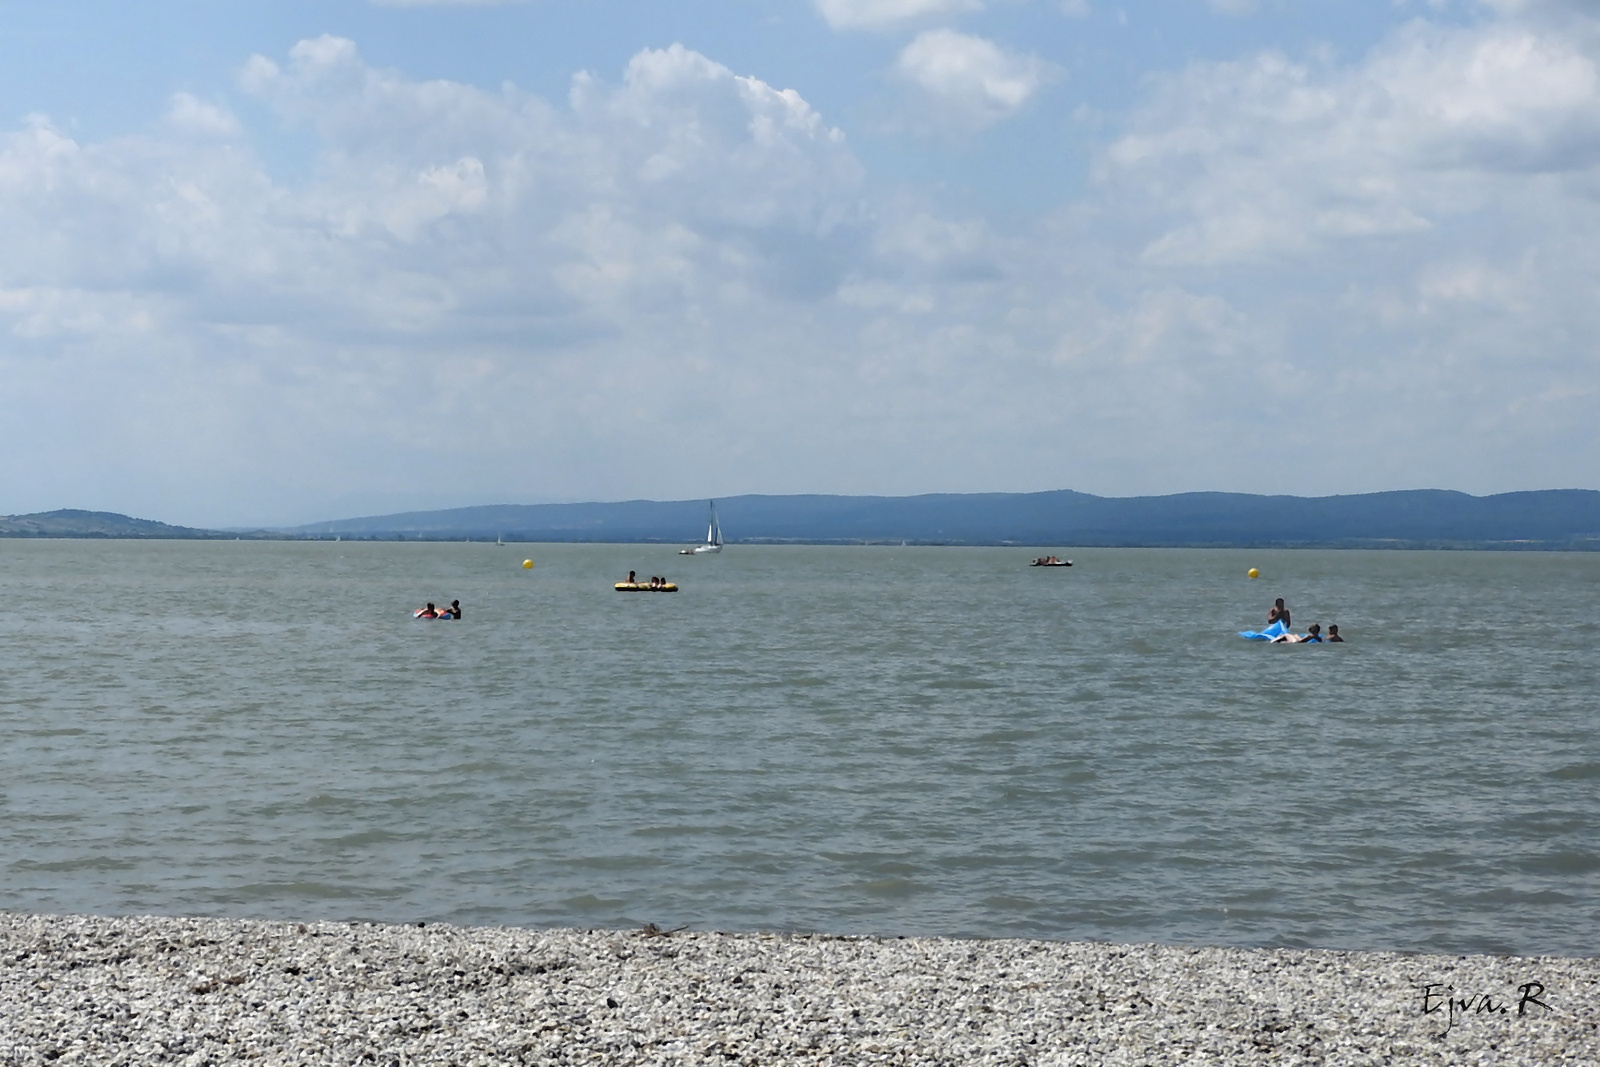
column 455, row 609
column 1278, row 613
column 1333, row 633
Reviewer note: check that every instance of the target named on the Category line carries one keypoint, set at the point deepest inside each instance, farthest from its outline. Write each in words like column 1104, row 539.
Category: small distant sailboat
column 713, row 537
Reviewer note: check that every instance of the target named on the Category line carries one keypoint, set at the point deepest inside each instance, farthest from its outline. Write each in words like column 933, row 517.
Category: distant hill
column 1424, row 518
column 73, row 523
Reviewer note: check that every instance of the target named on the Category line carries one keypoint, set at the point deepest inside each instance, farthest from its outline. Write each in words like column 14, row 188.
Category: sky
column 265, row 262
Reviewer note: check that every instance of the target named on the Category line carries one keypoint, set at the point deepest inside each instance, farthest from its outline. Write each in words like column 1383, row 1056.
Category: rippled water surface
column 883, row 740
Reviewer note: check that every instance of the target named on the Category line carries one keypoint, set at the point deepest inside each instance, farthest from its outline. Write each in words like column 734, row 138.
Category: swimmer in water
column 1333, row 634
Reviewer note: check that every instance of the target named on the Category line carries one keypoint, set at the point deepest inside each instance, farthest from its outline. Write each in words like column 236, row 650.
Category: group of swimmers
column 1277, row 613
column 431, row 612
column 1312, row 636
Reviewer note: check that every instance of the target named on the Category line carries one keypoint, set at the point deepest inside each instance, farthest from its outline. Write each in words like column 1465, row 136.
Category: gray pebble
column 77, row 990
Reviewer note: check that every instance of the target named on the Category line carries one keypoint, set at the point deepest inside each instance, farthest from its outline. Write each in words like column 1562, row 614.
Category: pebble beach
column 97, row 990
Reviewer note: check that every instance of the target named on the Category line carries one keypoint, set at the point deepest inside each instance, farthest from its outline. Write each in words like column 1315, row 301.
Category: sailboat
column 713, row 537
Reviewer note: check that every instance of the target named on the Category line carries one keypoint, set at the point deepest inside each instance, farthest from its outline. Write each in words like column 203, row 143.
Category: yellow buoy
column 1253, row 573
column 527, row 565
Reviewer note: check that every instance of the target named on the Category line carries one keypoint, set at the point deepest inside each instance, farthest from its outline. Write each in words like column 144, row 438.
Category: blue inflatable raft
column 1275, row 630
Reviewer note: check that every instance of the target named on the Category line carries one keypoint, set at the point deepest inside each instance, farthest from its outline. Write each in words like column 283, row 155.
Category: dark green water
column 929, row 741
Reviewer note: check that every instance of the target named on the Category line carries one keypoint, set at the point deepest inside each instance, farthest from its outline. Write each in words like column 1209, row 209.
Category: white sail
column 713, row 537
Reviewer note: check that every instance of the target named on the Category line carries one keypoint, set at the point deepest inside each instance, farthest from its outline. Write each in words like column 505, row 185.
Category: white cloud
column 1404, row 237
column 483, row 258
column 973, row 81
column 882, row 14
column 192, row 115
column 1267, row 156
column 1287, row 273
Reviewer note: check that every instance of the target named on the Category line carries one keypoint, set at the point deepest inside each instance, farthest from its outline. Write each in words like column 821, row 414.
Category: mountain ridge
column 1554, row 518
column 1548, row 519
column 75, row 522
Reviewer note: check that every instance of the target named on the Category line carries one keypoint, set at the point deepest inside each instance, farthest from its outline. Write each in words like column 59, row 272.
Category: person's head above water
column 1278, row 603
column 1314, row 629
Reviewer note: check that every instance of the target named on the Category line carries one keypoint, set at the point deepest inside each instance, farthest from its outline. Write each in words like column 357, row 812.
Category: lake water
column 854, row 740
